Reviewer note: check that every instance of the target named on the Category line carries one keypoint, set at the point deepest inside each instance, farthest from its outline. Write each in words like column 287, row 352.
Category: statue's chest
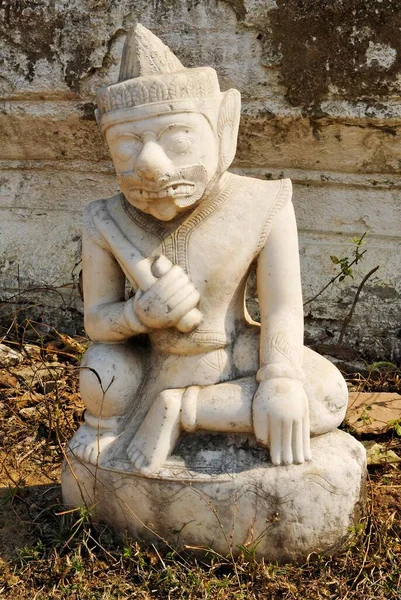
column 215, row 244
column 206, row 247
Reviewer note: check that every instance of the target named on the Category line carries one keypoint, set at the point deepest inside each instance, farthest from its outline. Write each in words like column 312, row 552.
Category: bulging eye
column 127, row 150
column 181, row 144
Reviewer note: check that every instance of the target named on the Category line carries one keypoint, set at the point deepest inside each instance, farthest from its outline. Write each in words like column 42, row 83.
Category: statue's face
column 164, row 164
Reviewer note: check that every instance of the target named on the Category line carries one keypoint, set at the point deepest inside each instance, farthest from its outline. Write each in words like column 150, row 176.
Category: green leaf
column 396, row 425
column 334, row 260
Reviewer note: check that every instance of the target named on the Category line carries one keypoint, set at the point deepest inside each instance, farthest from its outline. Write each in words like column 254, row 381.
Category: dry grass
column 46, row 553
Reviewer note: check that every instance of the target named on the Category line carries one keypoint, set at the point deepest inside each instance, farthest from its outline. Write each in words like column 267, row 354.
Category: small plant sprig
column 345, row 265
column 396, row 425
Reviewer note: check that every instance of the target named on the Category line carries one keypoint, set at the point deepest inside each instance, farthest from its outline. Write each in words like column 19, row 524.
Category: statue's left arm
column 280, row 406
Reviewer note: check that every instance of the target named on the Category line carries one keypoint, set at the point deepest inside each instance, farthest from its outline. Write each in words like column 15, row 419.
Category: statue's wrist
column 132, row 319
column 277, row 371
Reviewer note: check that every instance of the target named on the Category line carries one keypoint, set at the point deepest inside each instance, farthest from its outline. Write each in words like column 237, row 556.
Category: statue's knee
column 327, row 393
column 110, row 375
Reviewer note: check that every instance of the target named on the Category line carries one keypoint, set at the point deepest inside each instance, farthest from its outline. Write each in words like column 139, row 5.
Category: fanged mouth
column 170, row 191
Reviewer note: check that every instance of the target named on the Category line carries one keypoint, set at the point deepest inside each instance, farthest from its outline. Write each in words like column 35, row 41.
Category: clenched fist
column 167, row 301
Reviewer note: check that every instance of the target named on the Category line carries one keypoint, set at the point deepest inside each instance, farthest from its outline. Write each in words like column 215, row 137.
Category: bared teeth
column 169, row 192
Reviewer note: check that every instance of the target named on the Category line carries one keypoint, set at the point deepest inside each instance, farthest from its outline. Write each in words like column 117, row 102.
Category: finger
column 163, row 290
column 176, row 298
column 275, row 441
column 167, row 280
column 184, row 306
column 173, row 288
column 174, row 274
column 261, row 426
column 286, row 442
column 161, row 266
column 190, row 321
column 297, row 443
column 306, row 438
column 134, row 453
column 140, row 461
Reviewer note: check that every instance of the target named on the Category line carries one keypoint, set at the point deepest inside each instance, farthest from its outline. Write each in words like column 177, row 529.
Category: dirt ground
column 48, row 553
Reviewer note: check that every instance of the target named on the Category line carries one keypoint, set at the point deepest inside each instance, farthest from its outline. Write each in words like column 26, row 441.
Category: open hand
column 167, row 301
column 281, row 420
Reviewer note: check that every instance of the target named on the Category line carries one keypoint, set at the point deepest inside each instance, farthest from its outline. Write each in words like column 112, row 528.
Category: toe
column 141, row 461
column 133, row 453
column 88, row 455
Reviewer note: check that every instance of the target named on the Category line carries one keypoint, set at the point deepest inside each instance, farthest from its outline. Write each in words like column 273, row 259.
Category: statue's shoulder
column 269, row 189
column 108, row 204
column 96, row 209
column 265, row 199
column 266, row 195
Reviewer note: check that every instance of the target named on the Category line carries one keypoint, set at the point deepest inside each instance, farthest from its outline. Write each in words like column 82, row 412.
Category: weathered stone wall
column 320, row 82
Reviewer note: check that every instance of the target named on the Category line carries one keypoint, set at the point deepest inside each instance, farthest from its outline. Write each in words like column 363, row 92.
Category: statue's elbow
column 100, row 328
column 94, row 326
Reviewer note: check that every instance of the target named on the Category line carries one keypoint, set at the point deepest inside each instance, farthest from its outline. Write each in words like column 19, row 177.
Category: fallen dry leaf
column 71, row 345
column 7, row 380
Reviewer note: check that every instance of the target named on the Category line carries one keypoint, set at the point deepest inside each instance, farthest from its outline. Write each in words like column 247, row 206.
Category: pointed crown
column 150, row 73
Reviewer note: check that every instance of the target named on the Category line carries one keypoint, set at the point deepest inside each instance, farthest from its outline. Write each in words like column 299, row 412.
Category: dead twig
column 351, row 312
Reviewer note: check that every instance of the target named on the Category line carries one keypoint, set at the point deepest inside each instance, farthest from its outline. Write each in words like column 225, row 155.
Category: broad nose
column 152, row 163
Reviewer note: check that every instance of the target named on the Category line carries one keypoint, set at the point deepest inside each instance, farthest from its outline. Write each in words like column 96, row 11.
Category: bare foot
column 89, row 443
column 158, row 434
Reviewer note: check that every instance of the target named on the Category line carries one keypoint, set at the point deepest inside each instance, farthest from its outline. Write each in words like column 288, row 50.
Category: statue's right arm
column 108, row 317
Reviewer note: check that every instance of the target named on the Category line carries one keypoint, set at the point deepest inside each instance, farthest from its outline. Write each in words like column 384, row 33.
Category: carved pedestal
column 223, row 493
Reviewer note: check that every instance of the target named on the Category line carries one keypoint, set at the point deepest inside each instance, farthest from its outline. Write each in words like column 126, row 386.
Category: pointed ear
column 227, row 127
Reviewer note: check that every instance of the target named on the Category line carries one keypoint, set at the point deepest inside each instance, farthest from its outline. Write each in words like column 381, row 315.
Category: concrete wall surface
column 320, row 82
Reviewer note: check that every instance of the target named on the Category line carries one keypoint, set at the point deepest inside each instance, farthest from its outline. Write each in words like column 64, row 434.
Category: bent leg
column 223, row 407
column 220, row 407
column 158, row 434
column 110, row 376
column 227, row 406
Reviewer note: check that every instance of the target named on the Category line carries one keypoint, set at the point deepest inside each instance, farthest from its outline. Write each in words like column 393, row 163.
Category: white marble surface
column 181, row 355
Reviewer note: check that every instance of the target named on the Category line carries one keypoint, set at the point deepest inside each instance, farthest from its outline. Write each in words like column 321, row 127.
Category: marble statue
column 178, row 375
